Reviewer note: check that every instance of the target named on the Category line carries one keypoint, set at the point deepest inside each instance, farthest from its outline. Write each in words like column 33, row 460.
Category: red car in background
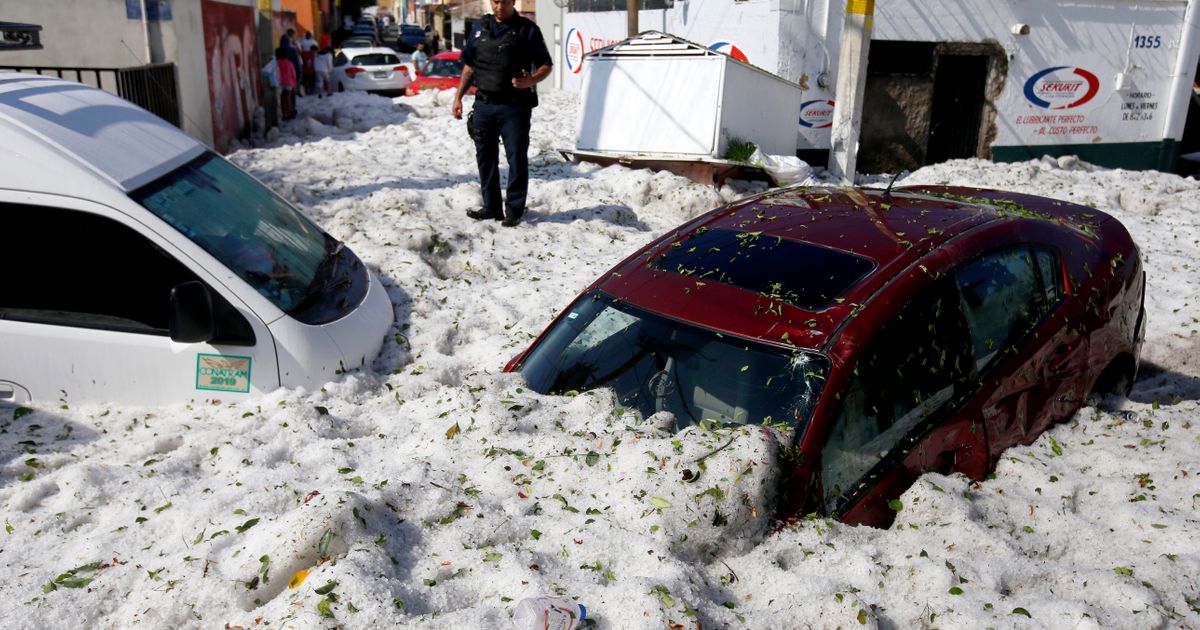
column 443, row 71
column 887, row 333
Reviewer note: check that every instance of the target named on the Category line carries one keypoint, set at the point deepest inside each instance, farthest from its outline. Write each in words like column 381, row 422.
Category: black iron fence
column 151, row 87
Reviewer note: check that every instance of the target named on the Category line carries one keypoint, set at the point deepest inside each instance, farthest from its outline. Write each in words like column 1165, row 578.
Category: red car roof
column 890, row 231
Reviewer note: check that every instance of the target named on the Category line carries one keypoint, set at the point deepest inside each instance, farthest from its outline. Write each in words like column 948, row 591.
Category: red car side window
column 1050, row 268
column 1004, row 293
column 906, row 377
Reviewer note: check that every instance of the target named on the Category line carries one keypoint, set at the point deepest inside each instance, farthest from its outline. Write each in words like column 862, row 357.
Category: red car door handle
column 944, row 462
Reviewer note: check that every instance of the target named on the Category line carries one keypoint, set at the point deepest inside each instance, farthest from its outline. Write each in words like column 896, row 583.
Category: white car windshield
column 251, row 230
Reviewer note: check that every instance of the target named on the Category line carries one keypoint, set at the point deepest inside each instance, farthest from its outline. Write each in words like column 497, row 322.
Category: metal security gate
column 152, row 87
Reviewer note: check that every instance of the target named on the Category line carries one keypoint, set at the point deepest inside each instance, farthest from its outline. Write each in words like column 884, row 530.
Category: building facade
column 1108, row 80
column 218, row 48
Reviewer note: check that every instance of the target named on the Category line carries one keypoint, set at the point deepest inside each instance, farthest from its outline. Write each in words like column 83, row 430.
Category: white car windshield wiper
column 324, row 278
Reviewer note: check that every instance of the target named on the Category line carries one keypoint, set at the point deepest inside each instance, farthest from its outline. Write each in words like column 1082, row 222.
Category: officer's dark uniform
column 499, row 51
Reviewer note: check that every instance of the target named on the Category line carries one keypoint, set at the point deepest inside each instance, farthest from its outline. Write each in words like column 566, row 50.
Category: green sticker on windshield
column 223, row 373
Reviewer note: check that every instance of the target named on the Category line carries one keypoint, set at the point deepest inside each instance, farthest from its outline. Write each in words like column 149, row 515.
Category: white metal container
column 656, row 94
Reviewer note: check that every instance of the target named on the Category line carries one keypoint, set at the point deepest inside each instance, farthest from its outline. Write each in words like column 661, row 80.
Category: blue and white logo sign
column 573, row 50
column 816, row 114
column 1061, row 87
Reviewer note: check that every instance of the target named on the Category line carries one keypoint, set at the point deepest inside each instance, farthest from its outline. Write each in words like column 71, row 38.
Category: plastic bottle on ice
column 548, row 613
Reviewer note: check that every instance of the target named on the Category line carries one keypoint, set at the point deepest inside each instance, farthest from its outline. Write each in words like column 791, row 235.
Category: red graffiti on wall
column 231, row 54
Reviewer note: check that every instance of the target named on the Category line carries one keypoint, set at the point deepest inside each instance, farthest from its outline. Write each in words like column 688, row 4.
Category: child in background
column 308, row 59
column 287, row 83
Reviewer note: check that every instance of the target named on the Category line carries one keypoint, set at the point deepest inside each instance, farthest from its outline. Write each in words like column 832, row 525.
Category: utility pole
column 146, row 32
column 631, row 17
column 1182, row 91
column 851, row 87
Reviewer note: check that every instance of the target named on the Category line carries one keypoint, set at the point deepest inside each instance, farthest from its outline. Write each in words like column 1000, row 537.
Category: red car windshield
column 444, row 68
column 654, row 364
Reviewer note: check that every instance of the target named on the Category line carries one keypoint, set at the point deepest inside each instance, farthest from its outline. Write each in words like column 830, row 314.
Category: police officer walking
column 505, row 56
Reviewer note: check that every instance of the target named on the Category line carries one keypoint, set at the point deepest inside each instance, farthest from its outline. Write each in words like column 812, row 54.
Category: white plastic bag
column 270, row 72
column 784, row 170
column 548, row 613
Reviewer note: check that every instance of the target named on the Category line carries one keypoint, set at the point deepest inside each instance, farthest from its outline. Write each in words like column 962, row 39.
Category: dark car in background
column 357, row 42
column 362, row 35
column 410, row 36
column 390, row 34
column 888, row 333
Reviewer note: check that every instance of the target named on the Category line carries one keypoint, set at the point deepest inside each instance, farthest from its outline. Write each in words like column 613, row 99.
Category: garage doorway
column 928, row 102
column 957, row 112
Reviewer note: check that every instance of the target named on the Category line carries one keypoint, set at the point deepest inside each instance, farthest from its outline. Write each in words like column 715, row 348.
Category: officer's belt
column 499, row 98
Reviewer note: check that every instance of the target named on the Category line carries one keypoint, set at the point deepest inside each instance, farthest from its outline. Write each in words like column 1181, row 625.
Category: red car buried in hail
column 443, row 71
column 894, row 333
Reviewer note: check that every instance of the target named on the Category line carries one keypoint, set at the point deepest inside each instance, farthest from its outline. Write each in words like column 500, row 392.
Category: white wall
column 798, row 40
column 80, row 33
column 1137, row 38
column 549, row 20
column 98, row 33
column 191, row 60
column 808, row 53
column 751, row 26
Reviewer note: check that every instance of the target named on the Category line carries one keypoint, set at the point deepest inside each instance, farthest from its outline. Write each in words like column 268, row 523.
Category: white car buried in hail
column 142, row 268
column 370, row 69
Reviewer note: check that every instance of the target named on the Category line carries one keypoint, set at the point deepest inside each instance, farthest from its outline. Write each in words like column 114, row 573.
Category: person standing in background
column 308, row 42
column 505, row 57
column 324, row 67
column 287, row 83
column 308, row 72
column 287, row 42
column 419, row 58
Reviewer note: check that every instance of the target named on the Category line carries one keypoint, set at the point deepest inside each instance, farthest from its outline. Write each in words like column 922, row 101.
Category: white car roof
column 50, row 127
